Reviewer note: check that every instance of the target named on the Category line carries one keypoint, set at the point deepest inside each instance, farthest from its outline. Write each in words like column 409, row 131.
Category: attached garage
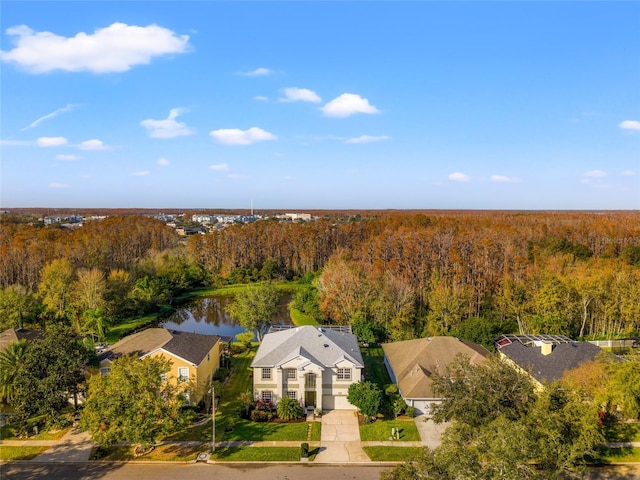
column 330, row 402
column 423, row 407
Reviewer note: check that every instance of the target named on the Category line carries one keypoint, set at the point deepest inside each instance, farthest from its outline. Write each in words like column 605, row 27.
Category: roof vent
column 326, row 345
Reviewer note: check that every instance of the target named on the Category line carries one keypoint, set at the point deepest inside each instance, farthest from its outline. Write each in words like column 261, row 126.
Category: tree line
column 391, row 275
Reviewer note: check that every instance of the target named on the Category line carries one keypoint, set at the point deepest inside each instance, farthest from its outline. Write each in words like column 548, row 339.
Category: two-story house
column 313, row 365
column 194, row 357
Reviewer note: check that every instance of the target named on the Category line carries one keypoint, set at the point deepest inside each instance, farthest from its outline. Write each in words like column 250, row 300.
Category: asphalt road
column 131, row 471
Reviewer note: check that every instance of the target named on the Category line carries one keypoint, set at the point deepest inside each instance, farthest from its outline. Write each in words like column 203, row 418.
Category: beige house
column 313, row 365
column 194, row 357
column 13, row 335
column 412, row 363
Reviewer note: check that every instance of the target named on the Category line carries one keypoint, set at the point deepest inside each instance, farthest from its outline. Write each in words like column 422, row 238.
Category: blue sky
column 320, row 105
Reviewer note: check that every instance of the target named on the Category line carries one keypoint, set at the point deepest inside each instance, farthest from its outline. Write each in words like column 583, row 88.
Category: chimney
column 546, row 348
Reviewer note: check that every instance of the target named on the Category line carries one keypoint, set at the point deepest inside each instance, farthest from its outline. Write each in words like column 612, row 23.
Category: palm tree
column 10, row 361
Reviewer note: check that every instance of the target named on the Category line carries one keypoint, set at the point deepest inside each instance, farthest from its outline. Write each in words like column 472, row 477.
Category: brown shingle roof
column 414, row 361
column 193, row 347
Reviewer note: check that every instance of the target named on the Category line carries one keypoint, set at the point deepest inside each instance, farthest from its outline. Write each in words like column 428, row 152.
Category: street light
column 213, row 419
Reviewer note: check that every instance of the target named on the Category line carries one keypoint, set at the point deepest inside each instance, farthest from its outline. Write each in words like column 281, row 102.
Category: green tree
column 254, row 308
column 53, row 372
column 132, row 403
column 624, row 385
column 289, row 409
column 17, row 306
column 11, row 360
column 367, row 397
column 245, row 338
column 478, row 394
column 55, row 287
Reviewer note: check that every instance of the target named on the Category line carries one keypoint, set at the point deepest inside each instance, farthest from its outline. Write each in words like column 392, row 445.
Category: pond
column 209, row 316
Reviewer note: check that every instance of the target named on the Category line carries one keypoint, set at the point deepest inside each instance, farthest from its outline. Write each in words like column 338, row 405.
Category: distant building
column 51, row 220
column 201, row 218
column 298, row 216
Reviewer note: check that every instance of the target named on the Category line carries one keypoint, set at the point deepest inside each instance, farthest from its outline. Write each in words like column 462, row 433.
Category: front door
column 310, row 399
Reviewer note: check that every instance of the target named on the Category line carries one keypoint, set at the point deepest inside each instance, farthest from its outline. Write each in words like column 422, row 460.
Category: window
column 183, row 374
column 310, row 380
column 266, row 396
column 292, row 395
column 291, row 373
column 266, row 374
column 105, row 371
column 344, row 374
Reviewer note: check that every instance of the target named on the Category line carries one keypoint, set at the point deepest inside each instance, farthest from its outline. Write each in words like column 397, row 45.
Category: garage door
column 330, row 402
column 423, row 407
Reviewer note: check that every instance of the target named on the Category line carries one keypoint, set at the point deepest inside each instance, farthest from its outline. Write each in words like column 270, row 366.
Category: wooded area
column 392, row 275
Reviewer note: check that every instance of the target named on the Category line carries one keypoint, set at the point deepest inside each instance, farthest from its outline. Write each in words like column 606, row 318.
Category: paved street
column 136, row 471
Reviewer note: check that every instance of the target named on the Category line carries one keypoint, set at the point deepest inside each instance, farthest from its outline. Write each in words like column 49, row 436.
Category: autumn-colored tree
column 55, row 289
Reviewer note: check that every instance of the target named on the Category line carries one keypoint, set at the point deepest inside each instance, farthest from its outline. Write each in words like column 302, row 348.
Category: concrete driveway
column 340, row 438
column 430, row 432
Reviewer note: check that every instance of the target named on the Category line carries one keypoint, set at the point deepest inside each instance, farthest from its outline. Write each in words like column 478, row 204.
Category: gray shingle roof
column 14, row 334
column 323, row 346
column 193, row 347
column 547, row 368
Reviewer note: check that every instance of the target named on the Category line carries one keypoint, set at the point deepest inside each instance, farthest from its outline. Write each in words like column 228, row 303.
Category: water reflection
column 208, row 316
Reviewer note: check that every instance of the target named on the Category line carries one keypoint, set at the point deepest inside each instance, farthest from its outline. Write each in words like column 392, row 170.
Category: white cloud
column 459, row 177
column 630, row 125
column 258, row 72
column 294, row 94
column 367, row 139
column 220, row 167
column 48, row 116
column 163, row 162
column 142, row 173
column 14, row 143
column 235, row 136
column 58, row 185
column 93, row 144
column 628, row 173
column 503, row 179
column 595, row 174
column 261, row 98
column 168, row 128
column 67, row 158
column 51, row 141
column 348, row 104
column 115, row 48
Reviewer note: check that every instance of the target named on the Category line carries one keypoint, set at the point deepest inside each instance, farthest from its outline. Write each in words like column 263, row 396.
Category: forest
column 391, row 275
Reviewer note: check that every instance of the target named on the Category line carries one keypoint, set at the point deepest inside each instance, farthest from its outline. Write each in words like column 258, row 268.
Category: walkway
column 340, row 438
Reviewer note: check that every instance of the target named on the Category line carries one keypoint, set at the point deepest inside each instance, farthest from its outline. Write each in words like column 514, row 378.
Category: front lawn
column 392, row 454
column 614, row 455
column 8, row 433
column 257, row 454
column 380, row 430
column 622, row 432
column 20, row 453
column 162, row 453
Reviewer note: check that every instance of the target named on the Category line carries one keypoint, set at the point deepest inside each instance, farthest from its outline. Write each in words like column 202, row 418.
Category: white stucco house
column 313, row 365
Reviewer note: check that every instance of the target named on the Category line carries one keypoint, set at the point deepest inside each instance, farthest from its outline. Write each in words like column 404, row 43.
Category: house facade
column 194, row 357
column 412, row 363
column 312, row 365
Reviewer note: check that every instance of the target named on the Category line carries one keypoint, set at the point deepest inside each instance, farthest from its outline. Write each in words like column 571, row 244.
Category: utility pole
column 213, row 420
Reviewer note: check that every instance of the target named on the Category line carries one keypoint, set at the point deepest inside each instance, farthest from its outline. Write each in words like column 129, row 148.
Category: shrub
column 261, row 416
column 304, row 450
column 289, row 409
column 410, row 412
column 367, row 397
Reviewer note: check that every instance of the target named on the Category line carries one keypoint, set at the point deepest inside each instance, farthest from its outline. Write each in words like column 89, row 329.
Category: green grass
column 374, row 369
column 7, row 433
column 622, row 432
column 163, row 453
column 20, row 453
column 392, row 454
column 613, row 455
column 300, row 318
column 257, row 454
column 380, row 430
column 118, row 331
